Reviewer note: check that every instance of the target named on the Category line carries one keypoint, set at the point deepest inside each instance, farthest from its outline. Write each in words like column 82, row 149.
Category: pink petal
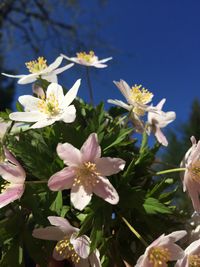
column 12, row 173
column 193, row 189
column 57, row 256
column 91, row 149
column 160, row 137
column 62, row 180
column 62, row 224
column 80, row 196
column 81, row 246
column 105, row 190
column 176, row 235
column 94, row 259
column 10, row 194
column 48, row 233
column 108, row 166
column 69, row 154
column 175, row 251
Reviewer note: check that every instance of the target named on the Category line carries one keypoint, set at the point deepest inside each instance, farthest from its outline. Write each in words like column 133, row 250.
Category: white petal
column 104, row 60
column 29, row 102
column 124, row 89
column 81, row 245
column 120, row 104
column 80, row 197
column 54, row 65
column 13, row 76
column 69, row 114
column 62, row 224
column 71, row 94
column 50, row 77
column 60, row 70
column 56, row 90
column 98, row 65
column 27, row 116
column 29, row 78
column 43, row 123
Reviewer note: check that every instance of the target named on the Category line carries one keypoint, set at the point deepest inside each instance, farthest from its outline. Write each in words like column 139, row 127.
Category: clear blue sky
column 153, row 42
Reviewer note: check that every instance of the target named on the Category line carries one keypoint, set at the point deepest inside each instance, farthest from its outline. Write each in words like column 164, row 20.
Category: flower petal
column 13, row 76
column 104, row 60
column 120, row 104
column 62, row 180
column 108, row 166
column 48, row 233
column 27, row 116
column 43, row 123
column 91, row 149
column 80, row 197
column 81, row 245
column 12, row 173
column 55, row 90
column 105, row 190
column 161, row 137
column 50, row 77
column 29, row 102
column 69, row 154
column 62, row 224
column 99, row 65
column 10, row 194
column 29, row 78
column 94, row 259
column 71, row 94
column 176, row 252
column 54, row 65
column 69, row 114
column 66, row 67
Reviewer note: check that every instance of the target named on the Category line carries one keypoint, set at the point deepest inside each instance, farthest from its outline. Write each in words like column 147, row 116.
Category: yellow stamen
column 86, row 57
column 36, row 65
column 87, row 175
column 66, row 250
column 4, row 186
column 194, row 170
column 159, row 256
column 194, row 261
column 49, row 105
column 140, row 95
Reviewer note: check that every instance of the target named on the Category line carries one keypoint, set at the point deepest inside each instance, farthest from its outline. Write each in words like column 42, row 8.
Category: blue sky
column 154, row 43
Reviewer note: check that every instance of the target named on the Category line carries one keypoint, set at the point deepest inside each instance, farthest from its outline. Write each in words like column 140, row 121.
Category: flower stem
column 35, row 182
column 89, row 86
column 134, row 232
column 171, row 170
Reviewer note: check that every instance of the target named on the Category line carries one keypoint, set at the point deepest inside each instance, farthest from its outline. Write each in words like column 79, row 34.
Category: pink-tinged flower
column 192, row 256
column 88, row 60
column 86, row 173
column 69, row 246
column 191, row 177
column 55, row 106
column 162, row 250
column 159, row 120
column 40, row 69
column 14, row 176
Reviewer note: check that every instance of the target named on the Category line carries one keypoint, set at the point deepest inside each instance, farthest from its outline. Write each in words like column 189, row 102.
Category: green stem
column 134, row 232
column 171, row 170
column 89, row 86
column 36, row 182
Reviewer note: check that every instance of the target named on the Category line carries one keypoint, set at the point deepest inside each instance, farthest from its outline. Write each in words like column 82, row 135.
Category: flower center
column 4, row 186
column 140, row 95
column 194, row 170
column 49, row 105
column 38, row 65
column 86, row 57
column 194, row 261
column 159, row 256
column 87, row 175
column 66, row 250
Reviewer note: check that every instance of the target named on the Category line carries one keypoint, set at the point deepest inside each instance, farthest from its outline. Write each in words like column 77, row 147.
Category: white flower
column 89, row 60
column 160, row 120
column 137, row 99
column 38, row 68
column 54, row 107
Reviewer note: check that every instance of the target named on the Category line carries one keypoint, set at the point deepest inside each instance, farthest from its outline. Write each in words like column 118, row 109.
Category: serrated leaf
column 153, row 206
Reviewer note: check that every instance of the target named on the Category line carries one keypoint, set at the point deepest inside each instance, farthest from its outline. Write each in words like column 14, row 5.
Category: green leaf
column 153, row 206
column 57, row 203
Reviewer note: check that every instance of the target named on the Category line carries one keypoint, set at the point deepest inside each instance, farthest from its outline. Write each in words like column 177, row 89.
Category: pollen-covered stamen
column 194, row 170
column 38, row 65
column 140, row 95
column 194, row 261
column 50, row 105
column 159, row 256
column 87, row 175
column 4, row 186
column 66, row 250
column 86, row 57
